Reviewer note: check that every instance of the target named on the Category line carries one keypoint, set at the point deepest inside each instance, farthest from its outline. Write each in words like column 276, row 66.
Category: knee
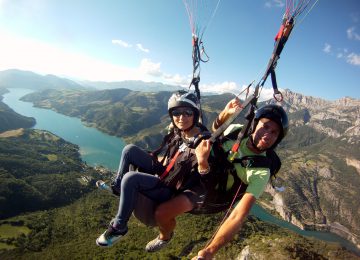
column 128, row 148
column 129, row 179
column 161, row 214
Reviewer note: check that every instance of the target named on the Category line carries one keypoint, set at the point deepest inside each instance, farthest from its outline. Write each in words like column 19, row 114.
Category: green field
column 6, row 246
column 9, row 231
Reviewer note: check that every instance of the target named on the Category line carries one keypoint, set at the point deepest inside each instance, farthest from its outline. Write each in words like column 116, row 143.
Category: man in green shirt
column 269, row 127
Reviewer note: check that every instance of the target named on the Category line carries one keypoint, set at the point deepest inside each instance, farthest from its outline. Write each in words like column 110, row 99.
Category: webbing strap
column 170, row 165
column 230, row 120
column 277, row 94
column 245, row 130
column 254, row 161
column 280, row 40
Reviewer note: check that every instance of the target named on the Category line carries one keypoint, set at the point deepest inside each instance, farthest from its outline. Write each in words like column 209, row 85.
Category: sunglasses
column 179, row 112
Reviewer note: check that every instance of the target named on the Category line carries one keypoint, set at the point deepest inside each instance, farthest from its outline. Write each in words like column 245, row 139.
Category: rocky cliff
column 321, row 165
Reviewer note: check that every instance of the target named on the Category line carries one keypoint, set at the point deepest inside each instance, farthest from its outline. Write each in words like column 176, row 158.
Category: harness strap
column 244, row 131
column 277, row 94
column 196, row 72
column 182, row 148
column 170, row 165
column 253, row 161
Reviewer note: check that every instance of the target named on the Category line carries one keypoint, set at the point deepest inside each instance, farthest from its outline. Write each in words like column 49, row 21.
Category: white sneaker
column 103, row 186
column 110, row 236
column 157, row 244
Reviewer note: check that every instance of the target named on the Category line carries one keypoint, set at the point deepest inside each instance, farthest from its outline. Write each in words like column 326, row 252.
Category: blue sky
column 150, row 40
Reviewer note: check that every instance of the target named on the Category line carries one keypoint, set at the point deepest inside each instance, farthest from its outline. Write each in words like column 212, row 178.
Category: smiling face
column 183, row 117
column 266, row 134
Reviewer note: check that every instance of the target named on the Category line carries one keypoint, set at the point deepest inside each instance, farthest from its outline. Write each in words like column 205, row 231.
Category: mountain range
column 14, row 78
column 320, row 154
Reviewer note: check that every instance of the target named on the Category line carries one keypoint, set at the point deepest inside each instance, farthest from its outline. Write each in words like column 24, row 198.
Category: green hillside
column 119, row 112
column 39, row 170
column 137, row 117
column 320, row 152
column 50, row 210
column 12, row 120
column 70, row 233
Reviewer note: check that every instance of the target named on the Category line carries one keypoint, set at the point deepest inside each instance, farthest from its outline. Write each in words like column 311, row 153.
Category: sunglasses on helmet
column 184, row 112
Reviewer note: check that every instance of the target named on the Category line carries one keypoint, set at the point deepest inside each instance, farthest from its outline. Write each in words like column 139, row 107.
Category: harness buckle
column 182, row 147
column 232, row 156
column 247, row 163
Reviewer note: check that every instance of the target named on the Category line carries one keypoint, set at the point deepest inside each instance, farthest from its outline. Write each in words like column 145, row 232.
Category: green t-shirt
column 255, row 178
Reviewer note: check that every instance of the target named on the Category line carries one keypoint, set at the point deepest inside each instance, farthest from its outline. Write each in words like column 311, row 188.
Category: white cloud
column 234, row 88
column 267, row 4
column 23, row 8
column 352, row 34
column 122, row 43
column 266, row 94
column 151, row 68
column 28, row 54
column 279, row 3
column 2, row 3
column 125, row 44
column 353, row 59
column 276, row 3
column 141, row 48
column 224, row 87
column 327, row 48
column 341, row 53
column 177, row 79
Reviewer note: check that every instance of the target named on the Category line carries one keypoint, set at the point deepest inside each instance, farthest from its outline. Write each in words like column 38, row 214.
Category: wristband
column 204, row 171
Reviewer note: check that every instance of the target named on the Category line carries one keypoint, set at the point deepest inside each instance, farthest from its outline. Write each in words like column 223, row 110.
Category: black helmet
column 183, row 98
column 275, row 113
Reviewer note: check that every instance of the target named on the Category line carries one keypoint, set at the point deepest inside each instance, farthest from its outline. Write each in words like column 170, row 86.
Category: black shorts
column 196, row 195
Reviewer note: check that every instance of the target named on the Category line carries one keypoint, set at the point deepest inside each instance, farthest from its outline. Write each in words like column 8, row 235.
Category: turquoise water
column 326, row 236
column 97, row 148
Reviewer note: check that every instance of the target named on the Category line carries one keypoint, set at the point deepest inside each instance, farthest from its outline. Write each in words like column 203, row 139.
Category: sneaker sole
column 108, row 244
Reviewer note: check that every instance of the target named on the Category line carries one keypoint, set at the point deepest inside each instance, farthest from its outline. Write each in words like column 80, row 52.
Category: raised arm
column 202, row 153
column 229, row 109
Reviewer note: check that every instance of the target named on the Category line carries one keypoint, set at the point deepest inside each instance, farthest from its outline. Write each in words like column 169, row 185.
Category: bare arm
column 229, row 228
column 229, row 109
column 202, row 152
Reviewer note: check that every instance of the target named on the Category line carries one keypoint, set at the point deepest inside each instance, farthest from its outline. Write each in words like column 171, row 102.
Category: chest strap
column 253, row 161
column 171, row 164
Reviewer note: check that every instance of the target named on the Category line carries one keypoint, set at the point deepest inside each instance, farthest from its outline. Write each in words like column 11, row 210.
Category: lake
column 97, row 148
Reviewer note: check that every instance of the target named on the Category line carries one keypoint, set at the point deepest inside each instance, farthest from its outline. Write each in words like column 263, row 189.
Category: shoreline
column 334, row 228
